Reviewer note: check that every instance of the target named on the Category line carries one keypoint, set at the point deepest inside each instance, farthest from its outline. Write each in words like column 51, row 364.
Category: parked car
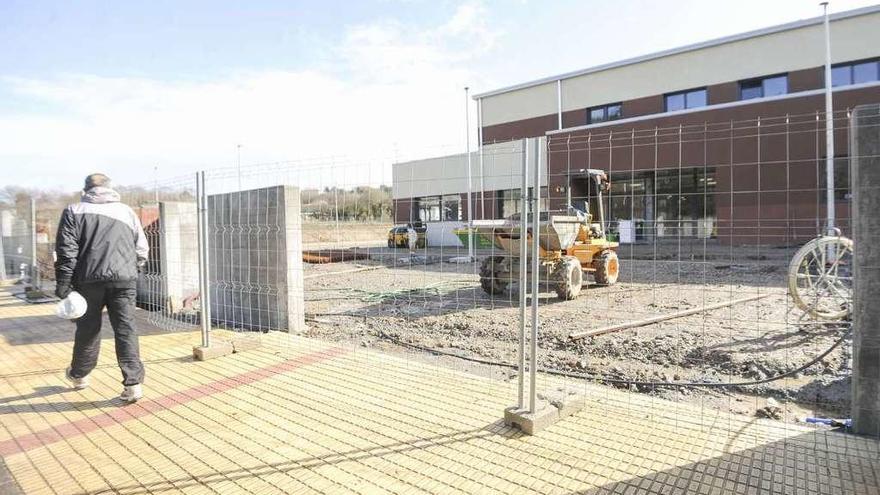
column 398, row 236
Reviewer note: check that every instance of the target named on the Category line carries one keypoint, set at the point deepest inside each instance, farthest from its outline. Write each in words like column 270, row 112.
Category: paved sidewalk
column 303, row 416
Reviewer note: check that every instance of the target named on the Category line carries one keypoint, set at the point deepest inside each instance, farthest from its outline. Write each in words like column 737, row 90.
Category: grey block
column 215, row 350
column 255, row 250
column 172, row 275
column 531, row 423
column 865, row 182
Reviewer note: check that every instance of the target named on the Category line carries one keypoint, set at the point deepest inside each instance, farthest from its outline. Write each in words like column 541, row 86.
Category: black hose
column 569, row 374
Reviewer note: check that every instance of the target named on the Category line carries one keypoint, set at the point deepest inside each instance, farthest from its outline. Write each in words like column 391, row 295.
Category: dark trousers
column 120, row 304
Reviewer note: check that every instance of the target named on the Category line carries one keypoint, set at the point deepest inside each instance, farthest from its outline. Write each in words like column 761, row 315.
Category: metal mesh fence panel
column 18, row 239
column 732, row 293
column 664, row 306
column 168, row 286
column 687, row 271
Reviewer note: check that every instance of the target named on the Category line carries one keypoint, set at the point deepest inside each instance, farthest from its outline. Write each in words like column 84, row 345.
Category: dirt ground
column 440, row 305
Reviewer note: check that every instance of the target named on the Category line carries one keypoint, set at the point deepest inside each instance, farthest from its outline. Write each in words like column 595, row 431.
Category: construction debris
column 334, row 255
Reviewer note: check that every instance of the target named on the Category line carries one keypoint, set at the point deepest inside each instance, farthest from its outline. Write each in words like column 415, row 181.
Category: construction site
column 593, row 300
column 735, row 347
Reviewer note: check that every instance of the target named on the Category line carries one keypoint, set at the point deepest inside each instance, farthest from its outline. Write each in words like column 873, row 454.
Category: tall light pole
column 467, row 136
column 238, row 150
column 480, row 151
column 829, row 128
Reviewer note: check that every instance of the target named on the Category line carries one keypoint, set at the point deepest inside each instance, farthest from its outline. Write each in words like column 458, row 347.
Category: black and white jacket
column 99, row 240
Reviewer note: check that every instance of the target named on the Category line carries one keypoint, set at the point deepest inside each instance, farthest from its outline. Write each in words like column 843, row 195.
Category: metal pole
column 35, row 272
column 523, row 269
column 204, row 271
column 336, row 205
column 467, row 136
column 559, row 103
column 156, row 182
column 200, row 241
column 238, row 149
column 2, row 253
column 536, row 235
column 829, row 128
column 480, row 148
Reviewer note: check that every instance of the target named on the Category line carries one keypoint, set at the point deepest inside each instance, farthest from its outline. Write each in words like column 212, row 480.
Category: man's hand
column 62, row 288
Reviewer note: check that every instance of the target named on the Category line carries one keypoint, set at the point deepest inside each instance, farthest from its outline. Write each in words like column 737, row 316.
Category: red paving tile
column 144, row 408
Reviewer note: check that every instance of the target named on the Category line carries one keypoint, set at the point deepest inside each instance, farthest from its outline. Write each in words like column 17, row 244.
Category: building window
column 428, row 209
column 763, row 87
column 855, row 73
column 686, row 99
column 664, row 202
column 451, row 207
column 604, row 113
column 509, row 201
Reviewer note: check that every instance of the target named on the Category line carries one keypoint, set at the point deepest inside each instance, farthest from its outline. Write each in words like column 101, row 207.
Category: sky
column 166, row 88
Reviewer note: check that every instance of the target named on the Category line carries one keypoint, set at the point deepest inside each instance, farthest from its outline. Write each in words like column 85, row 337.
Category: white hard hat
column 71, row 307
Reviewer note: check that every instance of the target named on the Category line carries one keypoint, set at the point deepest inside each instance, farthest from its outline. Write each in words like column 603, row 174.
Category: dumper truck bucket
column 557, row 231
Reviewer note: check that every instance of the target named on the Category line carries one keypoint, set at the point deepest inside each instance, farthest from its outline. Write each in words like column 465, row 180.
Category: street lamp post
column 829, row 128
column 467, row 134
column 238, row 149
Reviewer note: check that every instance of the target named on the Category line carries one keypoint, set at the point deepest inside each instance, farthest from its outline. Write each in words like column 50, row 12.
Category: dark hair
column 96, row 180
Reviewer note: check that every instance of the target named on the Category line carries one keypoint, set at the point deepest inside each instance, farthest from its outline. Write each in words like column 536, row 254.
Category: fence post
column 35, row 271
column 523, row 270
column 2, row 253
column 865, row 183
column 536, row 275
column 204, row 272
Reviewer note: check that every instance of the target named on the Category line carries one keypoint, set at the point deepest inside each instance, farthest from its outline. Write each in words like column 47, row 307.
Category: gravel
column 441, row 306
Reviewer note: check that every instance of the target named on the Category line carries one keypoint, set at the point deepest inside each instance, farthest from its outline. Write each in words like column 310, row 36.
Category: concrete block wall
column 865, row 182
column 255, row 259
column 171, row 276
column 179, row 259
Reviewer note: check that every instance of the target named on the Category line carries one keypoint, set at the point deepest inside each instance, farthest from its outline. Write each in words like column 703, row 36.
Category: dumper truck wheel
column 493, row 278
column 391, row 243
column 607, row 268
column 569, row 278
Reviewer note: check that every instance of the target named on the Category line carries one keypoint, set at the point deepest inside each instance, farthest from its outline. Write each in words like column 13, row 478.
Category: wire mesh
column 17, row 238
column 702, row 221
column 709, row 218
column 168, row 285
column 28, row 220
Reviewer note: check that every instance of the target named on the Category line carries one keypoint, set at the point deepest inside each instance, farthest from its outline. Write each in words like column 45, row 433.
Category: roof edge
column 872, row 9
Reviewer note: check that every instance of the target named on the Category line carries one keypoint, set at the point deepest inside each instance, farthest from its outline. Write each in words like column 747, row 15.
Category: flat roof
column 683, row 49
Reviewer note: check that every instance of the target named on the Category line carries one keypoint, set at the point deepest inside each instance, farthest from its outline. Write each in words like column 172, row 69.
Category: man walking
column 100, row 246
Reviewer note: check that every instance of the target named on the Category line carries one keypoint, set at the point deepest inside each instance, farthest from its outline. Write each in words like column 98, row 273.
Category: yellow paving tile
column 303, row 416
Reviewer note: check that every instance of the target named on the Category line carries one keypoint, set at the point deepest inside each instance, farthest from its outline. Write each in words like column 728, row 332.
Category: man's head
column 97, row 180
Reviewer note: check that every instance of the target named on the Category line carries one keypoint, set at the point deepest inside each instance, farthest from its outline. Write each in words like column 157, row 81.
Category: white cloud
column 398, row 87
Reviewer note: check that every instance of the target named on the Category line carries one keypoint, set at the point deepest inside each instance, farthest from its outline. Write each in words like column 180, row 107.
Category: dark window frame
column 759, row 82
column 852, row 67
column 605, row 112
column 685, row 93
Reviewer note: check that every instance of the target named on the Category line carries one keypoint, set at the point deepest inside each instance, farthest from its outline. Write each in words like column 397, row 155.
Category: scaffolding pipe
column 657, row 319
